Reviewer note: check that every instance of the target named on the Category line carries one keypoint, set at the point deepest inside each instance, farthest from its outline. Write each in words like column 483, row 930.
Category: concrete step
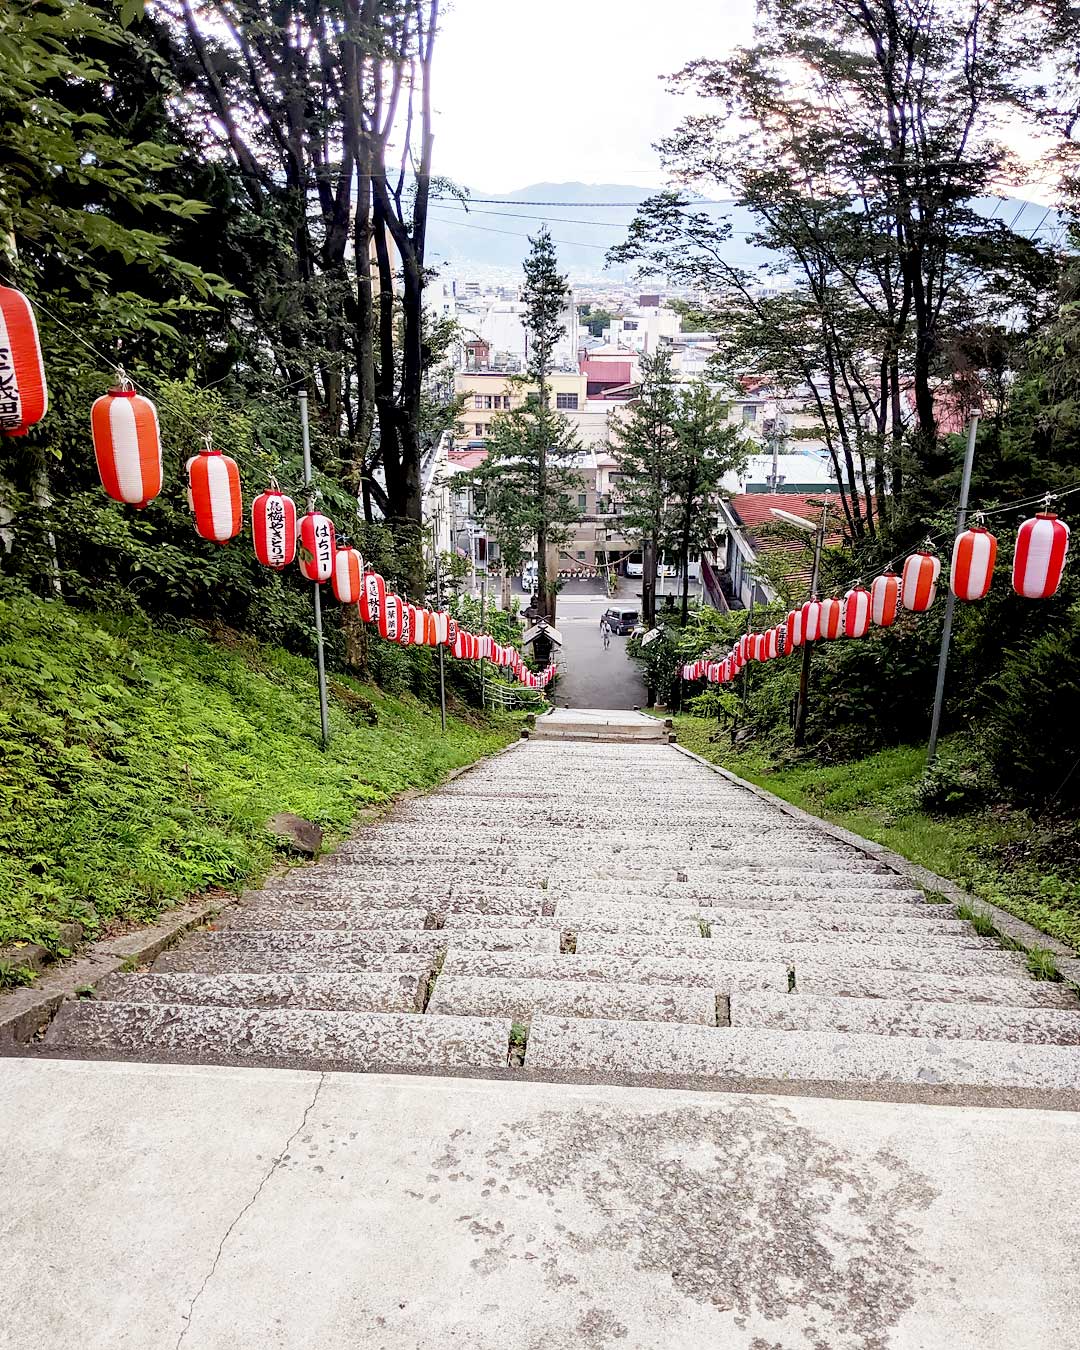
column 521, row 1000
column 285, row 1036
column 718, row 975
column 901, row 1017
column 881, row 918
column 685, row 925
column 364, row 991
column 342, row 949
column 840, row 903
column 838, row 979
column 947, row 959
column 288, row 918
column 822, row 918
column 739, row 1054
column 724, row 892
column 293, row 957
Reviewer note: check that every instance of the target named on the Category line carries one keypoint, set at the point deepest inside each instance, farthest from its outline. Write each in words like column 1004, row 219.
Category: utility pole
column 320, row 655
column 804, row 671
column 483, row 603
column 950, row 599
column 438, row 605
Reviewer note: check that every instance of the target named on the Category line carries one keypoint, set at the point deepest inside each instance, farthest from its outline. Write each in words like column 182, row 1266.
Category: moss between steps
column 138, row 766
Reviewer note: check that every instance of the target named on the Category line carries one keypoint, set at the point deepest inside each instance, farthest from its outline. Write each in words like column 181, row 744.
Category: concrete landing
column 598, row 724
column 163, row 1207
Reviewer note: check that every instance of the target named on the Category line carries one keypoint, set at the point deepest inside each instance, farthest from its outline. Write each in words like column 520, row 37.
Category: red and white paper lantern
column 793, row 630
column 918, row 581
column 214, row 495
column 348, row 575
column 972, row 569
column 391, row 617
column 127, row 446
column 316, row 552
column 811, row 620
column 884, row 599
column 372, row 597
column 857, row 612
column 832, row 619
column 273, row 528
column 1041, row 547
column 24, row 396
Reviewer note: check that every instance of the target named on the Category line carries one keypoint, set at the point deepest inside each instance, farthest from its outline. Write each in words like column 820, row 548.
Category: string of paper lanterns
column 1042, row 545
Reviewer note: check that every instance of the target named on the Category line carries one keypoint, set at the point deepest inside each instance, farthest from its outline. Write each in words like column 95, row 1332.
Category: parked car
column 621, row 621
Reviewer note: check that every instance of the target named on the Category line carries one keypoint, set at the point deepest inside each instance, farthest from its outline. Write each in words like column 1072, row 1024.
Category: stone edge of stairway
column 1024, row 934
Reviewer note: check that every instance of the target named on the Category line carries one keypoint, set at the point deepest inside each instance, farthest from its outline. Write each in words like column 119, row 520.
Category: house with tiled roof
column 745, row 518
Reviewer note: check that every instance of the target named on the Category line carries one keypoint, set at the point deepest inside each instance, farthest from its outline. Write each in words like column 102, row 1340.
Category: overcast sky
column 567, row 90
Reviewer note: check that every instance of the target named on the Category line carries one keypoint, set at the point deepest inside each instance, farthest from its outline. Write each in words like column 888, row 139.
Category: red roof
column 467, row 459
column 754, row 509
column 606, row 372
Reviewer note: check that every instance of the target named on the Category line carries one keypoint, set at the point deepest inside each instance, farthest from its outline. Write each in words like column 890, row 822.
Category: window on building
column 629, row 325
column 478, row 400
column 749, row 413
column 582, row 501
column 581, row 555
column 566, row 401
column 479, row 428
column 487, row 402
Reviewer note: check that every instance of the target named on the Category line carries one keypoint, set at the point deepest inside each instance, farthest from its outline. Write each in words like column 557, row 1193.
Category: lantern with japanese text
column 127, row 445
column 273, row 528
column 972, row 569
column 316, row 552
column 405, row 628
column 372, row 597
column 214, row 495
column 24, row 397
column 391, row 615
column 793, row 630
column 918, row 581
column 884, row 599
column 451, row 630
column 1041, row 546
column 348, row 577
column 416, row 632
column 857, row 612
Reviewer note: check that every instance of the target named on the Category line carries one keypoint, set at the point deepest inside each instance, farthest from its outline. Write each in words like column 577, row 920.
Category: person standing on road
column 605, row 633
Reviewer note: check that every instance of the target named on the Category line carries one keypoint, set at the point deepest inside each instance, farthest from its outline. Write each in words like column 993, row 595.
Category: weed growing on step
column 1041, row 964
column 704, row 928
column 568, row 944
column 980, row 921
column 519, row 1039
column 436, row 971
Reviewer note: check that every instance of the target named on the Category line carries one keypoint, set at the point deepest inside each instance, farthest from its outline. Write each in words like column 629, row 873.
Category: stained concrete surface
column 207, row 1208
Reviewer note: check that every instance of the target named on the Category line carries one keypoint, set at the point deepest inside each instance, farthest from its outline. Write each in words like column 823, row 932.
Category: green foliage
column 140, row 765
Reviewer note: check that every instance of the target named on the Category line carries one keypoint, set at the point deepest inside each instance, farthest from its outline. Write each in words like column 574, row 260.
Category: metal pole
column 483, row 601
column 804, row 670
column 320, row 655
column 950, row 599
column 438, row 605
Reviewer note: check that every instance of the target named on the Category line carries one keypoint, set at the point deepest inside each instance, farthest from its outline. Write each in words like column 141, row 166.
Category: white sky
column 567, row 90
column 530, row 91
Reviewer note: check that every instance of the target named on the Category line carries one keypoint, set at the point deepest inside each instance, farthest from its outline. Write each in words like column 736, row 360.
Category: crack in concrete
column 275, row 1164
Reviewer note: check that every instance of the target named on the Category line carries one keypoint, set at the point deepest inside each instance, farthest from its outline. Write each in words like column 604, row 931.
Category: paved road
column 589, row 676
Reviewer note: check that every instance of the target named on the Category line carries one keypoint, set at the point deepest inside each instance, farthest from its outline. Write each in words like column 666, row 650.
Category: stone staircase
column 589, row 911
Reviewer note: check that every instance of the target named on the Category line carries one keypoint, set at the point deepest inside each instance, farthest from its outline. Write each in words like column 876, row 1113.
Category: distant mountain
column 587, row 219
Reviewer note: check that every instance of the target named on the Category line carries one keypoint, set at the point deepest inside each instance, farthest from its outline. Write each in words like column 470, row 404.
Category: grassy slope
column 138, row 766
column 877, row 797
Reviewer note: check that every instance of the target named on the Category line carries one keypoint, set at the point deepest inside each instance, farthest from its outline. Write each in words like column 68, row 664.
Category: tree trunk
column 648, row 583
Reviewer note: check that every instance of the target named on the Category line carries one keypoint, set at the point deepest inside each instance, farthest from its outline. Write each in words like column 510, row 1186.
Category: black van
column 621, row 621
